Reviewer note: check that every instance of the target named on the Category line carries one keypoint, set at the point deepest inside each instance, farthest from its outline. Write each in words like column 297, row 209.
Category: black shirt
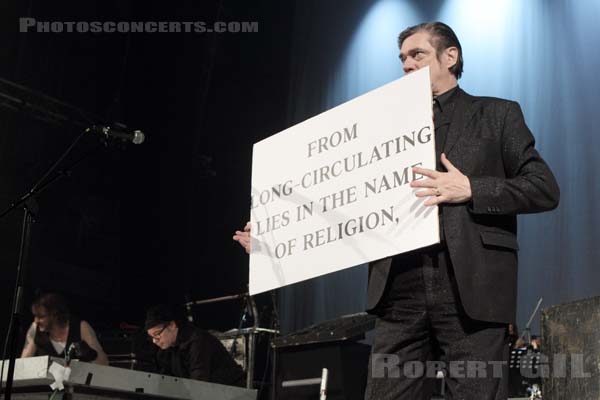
column 43, row 345
column 199, row 355
column 443, row 112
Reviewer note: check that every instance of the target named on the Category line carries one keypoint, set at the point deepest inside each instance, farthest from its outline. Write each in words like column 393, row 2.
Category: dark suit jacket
column 490, row 143
column 199, row 355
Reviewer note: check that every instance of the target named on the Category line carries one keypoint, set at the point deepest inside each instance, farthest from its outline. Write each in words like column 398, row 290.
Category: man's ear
column 450, row 56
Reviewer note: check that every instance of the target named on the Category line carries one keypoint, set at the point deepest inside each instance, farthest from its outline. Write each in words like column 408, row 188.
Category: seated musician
column 55, row 331
column 190, row 352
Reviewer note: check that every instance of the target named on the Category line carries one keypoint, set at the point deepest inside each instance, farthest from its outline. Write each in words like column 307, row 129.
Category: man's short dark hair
column 55, row 304
column 442, row 37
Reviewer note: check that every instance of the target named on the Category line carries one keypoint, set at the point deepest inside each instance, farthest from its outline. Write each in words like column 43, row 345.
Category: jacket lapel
column 464, row 110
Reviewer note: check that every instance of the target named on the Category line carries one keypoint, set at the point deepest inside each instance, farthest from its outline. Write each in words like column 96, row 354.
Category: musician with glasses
column 190, row 352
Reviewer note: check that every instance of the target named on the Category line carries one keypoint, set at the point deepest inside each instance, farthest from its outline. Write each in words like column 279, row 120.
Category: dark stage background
column 153, row 223
column 149, row 223
column 538, row 53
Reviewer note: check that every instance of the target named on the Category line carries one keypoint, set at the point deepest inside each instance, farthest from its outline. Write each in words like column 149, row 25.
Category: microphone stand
column 249, row 307
column 27, row 201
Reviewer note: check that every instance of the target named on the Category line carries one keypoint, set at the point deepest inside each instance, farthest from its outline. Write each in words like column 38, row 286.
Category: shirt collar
column 184, row 333
column 445, row 98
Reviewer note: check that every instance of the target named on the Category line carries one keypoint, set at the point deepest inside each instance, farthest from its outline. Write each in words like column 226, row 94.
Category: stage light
column 371, row 57
column 489, row 34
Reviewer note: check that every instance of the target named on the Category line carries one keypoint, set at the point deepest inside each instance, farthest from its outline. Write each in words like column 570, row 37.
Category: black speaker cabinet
column 571, row 343
column 346, row 361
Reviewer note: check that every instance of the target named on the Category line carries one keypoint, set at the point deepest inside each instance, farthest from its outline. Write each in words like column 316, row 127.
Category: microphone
column 190, row 315
column 135, row 137
column 82, row 351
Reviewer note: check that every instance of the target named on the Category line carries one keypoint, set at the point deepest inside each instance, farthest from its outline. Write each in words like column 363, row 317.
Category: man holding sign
column 446, row 307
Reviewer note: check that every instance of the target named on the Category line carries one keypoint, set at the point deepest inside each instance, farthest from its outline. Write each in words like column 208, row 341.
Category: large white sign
column 333, row 191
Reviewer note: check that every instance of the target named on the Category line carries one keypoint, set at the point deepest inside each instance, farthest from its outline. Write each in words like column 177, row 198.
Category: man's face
column 417, row 52
column 164, row 335
column 42, row 318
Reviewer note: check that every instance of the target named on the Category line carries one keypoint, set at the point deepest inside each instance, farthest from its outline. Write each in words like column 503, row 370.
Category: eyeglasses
column 156, row 336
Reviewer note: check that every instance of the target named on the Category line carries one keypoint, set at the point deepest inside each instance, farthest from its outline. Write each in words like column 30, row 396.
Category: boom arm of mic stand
column 528, row 326
column 40, row 185
column 215, row 300
column 17, row 309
